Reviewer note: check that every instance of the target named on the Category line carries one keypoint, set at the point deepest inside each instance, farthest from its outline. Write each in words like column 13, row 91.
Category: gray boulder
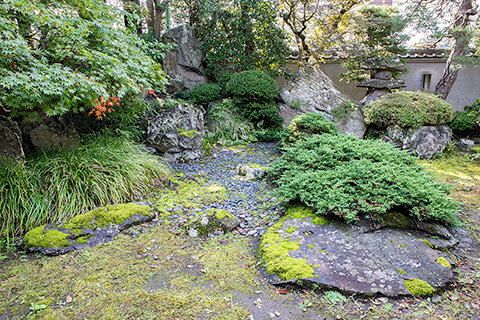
column 10, row 139
column 178, row 133
column 51, row 133
column 184, row 63
column 311, row 90
column 251, row 171
column 425, row 141
column 331, row 254
column 210, row 221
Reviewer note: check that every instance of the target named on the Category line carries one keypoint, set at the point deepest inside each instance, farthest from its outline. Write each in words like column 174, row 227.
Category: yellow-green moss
column 288, row 268
column 52, row 238
column 291, row 230
column 419, row 287
column 401, row 272
column 257, row 166
column 103, row 217
column 428, row 243
column 83, row 239
column 443, row 262
column 397, row 220
column 302, row 212
column 219, row 213
column 475, row 149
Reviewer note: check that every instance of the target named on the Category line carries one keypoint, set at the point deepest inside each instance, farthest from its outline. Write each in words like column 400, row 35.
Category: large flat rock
column 348, row 259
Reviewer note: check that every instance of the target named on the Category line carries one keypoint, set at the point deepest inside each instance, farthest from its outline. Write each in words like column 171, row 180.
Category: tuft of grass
column 54, row 186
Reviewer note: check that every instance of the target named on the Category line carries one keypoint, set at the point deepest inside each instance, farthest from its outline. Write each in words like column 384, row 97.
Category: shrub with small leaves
column 262, row 114
column 205, row 94
column 468, row 119
column 306, row 125
column 349, row 177
column 249, row 86
column 410, row 109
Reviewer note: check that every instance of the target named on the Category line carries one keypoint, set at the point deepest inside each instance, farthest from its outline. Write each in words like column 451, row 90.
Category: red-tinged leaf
column 153, row 267
column 283, row 291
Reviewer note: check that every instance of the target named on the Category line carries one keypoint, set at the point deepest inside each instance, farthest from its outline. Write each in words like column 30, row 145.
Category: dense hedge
column 205, row 94
column 252, row 86
column 408, row 109
column 349, row 177
column 468, row 119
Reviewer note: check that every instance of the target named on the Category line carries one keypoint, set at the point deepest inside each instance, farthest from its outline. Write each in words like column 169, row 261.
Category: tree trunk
column 160, row 8
column 462, row 19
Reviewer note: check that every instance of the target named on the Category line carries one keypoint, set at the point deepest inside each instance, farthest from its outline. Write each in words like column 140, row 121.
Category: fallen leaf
column 283, row 291
column 153, row 267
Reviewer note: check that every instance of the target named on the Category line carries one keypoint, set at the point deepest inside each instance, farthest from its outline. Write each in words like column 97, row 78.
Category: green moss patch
column 443, row 262
column 419, row 287
column 52, row 238
column 302, row 212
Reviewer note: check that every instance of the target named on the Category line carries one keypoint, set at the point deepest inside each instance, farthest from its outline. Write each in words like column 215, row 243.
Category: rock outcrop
column 327, row 252
column 178, row 133
column 425, row 141
column 311, row 90
column 52, row 133
column 86, row 230
column 183, row 64
column 10, row 139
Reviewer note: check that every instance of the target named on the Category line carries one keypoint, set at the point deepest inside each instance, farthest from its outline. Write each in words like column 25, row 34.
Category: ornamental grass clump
column 408, row 109
column 349, row 178
column 58, row 185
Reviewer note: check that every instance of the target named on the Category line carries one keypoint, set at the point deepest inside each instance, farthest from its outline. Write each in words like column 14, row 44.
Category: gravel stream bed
column 252, row 202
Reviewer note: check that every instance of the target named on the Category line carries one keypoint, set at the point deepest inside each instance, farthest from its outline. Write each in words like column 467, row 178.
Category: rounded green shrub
column 306, row 125
column 349, row 178
column 264, row 114
column 468, row 119
column 410, row 109
column 252, row 86
column 205, row 94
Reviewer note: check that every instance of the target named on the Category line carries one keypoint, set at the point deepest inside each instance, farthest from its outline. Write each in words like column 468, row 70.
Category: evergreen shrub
column 348, row 177
column 306, row 125
column 468, row 119
column 205, row 94
column 410, row 109
column 250, row 86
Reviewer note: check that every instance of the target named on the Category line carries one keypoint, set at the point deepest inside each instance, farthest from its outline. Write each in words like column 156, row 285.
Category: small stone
column 169, row 209
column 437, row 299
column 155, row 258
column 252, row 232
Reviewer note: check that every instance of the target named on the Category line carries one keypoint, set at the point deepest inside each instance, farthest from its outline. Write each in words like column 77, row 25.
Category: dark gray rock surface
column 10, row 139
column 349, row 259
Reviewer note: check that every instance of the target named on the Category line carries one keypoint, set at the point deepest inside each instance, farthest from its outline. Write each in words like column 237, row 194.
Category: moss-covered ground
column 160, row 275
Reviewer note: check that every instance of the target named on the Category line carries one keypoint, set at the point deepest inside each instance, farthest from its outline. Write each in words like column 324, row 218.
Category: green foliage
column 58, row 185
column 262, row 114
column 468, row 119
column 348, row 177
column 249, row 86
column 205, row 94
column 306, row 125
column 241, row 35
column 377, row 33
column 57, row 56
column 410, row 109
column 154, row 48
column 226, row 127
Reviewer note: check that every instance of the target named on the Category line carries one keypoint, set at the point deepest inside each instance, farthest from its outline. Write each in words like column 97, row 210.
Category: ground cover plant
column 307, row 125
column 467, row 120
column 349, row 178
column 411, row 109
column 56, row 185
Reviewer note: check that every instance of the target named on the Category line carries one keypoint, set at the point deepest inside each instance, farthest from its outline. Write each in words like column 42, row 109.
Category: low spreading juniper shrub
column 349, row 178
column 306, row 125
column 205, row 94
column 410, row 109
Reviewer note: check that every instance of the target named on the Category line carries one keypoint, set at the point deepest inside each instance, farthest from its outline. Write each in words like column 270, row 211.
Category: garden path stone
column 346, row 258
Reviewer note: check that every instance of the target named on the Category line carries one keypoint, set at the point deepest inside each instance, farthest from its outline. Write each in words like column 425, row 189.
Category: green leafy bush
column 250, row 86
column 306, row 125
column 349, row 177
column 58, row 185
column 262, row 114
column 408, row 109
column 468, row 119
column 226, row 127
column 205, row 94
column 58, row 56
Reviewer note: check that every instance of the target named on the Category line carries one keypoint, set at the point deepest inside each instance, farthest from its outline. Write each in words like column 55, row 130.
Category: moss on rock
column 419, row 287
column 302, row 212
column 443, row 262
column 49, row 239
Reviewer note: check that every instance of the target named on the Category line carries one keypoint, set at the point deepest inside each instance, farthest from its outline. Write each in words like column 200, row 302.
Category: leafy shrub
column 306, row 125
column 59, row 185
column 59, row 56
column 262, row 114
column 468, row 119
column 205, row 94
column 226, row 127
column 348, row 177
column 249, row 86
column 408, row 109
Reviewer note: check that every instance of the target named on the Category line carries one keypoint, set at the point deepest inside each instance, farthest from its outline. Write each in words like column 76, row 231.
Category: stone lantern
column 382, row 83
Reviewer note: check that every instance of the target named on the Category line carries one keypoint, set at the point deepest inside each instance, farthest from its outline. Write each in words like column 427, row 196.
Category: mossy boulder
column 331, row 254
column 211, row 221
column 251, row 171
column 89, row 229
